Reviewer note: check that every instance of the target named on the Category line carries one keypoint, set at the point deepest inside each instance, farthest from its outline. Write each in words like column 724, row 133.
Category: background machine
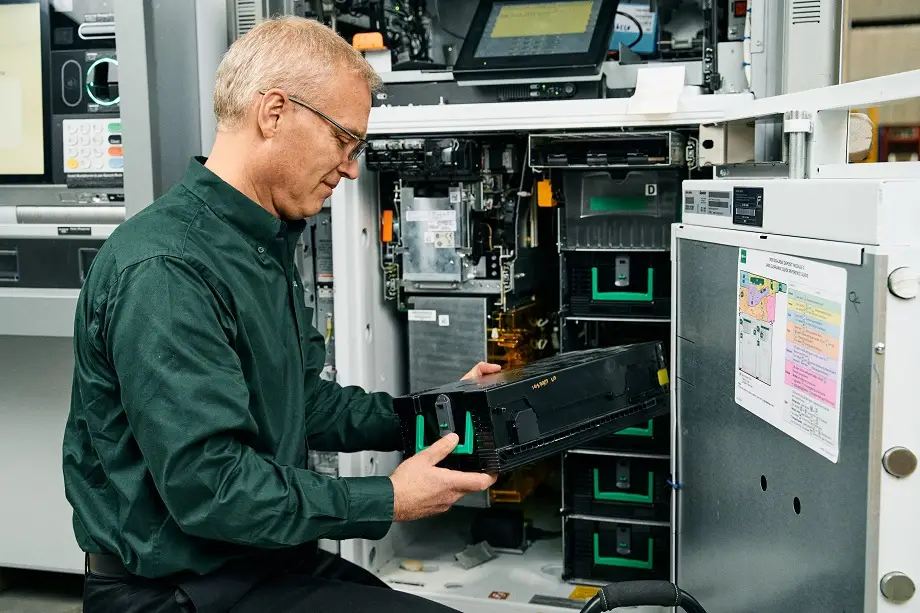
column 67, row 181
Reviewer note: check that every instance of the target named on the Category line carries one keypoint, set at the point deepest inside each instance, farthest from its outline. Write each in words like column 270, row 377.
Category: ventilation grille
column 806, row 11
column 247, row 16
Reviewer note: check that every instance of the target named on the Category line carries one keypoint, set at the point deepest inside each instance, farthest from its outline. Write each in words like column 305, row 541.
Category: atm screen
column 538, row 28
column 22, row 95
column 514, row 39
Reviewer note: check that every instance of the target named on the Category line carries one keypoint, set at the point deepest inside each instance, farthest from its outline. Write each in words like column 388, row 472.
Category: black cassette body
column 519, row 416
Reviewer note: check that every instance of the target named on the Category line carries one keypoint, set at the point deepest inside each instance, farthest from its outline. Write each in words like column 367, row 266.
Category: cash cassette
column 516, row 417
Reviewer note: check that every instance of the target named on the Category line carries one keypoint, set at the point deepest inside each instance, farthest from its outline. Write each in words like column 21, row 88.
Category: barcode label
column 704, row 202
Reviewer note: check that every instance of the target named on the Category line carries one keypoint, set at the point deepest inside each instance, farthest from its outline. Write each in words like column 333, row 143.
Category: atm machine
column 67, row 179
column 61, row 194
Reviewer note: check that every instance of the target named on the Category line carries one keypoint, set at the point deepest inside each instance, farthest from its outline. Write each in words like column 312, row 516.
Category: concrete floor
column 34, row 592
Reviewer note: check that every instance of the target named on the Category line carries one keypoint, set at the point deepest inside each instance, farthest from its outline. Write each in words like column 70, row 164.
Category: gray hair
column 300, row 56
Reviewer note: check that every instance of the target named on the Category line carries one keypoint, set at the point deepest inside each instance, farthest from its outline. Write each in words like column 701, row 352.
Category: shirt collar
column 238, row 210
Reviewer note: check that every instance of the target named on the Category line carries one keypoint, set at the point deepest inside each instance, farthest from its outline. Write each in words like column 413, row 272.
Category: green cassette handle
column 622, row 562
column 648, row 431
column 625, row 496
column 465, row 448
column 622, row 296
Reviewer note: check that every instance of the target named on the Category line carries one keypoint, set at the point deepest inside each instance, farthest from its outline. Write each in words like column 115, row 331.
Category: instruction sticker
column 438, row 221
column 443, row 221
column 706, row 202
column 441, row 240
column 748, row 209
column 789, row 356
column 423, row 315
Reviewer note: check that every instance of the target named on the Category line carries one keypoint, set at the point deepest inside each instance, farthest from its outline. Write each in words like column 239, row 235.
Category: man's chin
column 313, row 208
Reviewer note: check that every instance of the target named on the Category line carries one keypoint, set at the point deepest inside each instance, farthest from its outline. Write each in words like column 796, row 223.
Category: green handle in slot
column 623, row 562
column 625, row 496
column 465, row 448
column 622, row 296
column 648, row 431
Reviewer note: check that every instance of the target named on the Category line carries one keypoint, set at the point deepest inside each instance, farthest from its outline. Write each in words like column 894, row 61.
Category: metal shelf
column 632, row 320
column 615, row 249
column 548, row 115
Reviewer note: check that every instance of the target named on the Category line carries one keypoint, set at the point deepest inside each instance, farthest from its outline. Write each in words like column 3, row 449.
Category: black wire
column 684, row 601
column 638, row 25
column 690, row 604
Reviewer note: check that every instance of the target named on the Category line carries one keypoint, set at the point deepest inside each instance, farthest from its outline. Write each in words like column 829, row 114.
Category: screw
column 899, row 462
column 880, row 348
column 897, row 587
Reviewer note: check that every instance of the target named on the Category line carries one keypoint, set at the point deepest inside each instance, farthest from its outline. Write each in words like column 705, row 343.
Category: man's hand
column 483, row 368
column 421, row 489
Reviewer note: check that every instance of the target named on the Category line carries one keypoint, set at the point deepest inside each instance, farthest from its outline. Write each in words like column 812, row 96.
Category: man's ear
column 270, row 112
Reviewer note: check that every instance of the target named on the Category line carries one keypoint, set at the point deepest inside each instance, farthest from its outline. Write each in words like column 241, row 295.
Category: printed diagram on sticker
column 757, row 315
column 789, row 354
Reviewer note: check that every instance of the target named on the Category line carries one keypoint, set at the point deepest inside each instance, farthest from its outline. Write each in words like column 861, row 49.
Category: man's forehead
column 351, row 98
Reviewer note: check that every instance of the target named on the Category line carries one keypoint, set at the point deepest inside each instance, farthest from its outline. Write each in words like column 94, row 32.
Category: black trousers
column 322, row 584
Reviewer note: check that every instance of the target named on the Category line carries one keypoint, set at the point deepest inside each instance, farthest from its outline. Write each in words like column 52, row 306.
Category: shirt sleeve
column 169, row 335
column 348, row 419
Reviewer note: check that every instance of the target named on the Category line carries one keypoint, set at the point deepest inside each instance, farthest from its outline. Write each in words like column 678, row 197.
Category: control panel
column 93, row 145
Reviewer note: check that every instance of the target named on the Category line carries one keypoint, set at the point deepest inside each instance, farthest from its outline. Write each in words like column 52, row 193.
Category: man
column 196, row 390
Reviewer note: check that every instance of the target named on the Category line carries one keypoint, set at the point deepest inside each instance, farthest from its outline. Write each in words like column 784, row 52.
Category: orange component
column 116, row 151
column 545, row 194
column 386, row 228
column 368, row 41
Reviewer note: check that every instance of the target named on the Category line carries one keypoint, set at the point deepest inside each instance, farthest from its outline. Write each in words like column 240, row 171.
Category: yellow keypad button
column 72, row 163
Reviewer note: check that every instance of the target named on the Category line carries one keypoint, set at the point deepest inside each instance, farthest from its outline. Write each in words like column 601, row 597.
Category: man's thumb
column 441, row 448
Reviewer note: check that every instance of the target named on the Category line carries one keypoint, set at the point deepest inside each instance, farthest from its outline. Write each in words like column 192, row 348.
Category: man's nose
column 349, row 169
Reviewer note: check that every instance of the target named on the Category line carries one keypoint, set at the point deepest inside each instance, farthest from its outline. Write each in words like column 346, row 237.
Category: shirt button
column 261, row 249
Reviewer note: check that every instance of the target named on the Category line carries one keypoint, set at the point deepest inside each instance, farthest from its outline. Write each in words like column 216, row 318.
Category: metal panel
column 212, row 42
column 369, row 336
column 812, row 44
column 429, row 229
column 443, row 350
column 742, row 548
column 136, row 79
column 36, row 312
column 35, row 517
column 160, row 108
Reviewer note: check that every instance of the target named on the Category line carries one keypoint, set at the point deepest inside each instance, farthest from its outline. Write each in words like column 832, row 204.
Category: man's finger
column 441, row 448
column 487, row 368
column 469, row 482
column 482, row 368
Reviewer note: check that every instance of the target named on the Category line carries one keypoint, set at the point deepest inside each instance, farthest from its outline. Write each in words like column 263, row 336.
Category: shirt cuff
column 370, row 506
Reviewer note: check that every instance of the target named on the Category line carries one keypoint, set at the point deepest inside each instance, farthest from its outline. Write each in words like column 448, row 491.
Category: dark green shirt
column 196, row 394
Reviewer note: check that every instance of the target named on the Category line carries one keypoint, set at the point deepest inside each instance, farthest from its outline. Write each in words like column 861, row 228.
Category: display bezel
column 564, row 64
column 45, row 25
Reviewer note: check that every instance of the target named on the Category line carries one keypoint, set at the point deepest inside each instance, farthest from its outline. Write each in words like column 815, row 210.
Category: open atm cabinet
column 409, row 316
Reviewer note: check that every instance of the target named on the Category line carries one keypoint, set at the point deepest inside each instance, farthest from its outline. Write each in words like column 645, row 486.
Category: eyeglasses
column 360, row 143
